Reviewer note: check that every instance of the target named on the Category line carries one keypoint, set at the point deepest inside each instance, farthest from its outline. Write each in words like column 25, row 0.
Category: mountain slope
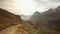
column 47, row 20
column 8, row 19
column 35, row 17
column 19, row 29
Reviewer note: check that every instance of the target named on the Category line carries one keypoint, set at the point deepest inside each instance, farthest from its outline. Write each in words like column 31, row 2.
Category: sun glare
column 27, row 6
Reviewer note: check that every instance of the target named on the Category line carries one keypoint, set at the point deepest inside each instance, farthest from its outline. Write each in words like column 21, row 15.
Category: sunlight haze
column 28, row 7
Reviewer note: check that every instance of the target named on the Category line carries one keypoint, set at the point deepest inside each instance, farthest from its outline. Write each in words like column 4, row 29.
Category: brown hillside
column 8, row 19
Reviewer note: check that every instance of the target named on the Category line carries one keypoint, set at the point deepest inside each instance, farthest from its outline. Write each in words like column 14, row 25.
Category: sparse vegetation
column 12, row 24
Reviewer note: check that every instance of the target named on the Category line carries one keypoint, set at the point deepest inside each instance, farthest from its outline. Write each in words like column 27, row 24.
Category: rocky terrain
column 49, row 20
column 39, row 23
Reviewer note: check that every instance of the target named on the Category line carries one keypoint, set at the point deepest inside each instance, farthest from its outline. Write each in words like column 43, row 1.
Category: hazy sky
column 28, row 7
column 10, row 5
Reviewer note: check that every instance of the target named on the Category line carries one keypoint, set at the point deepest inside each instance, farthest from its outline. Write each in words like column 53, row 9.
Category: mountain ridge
column 49, row 19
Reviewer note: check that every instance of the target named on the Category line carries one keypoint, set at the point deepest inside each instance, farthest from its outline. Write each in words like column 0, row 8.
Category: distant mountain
column 34, row 18
column 25, row 17
column 49, row 19
column 8, row 19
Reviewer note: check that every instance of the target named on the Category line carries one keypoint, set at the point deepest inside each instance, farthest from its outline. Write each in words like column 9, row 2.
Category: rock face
column 8, row 19
column 49, row 19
